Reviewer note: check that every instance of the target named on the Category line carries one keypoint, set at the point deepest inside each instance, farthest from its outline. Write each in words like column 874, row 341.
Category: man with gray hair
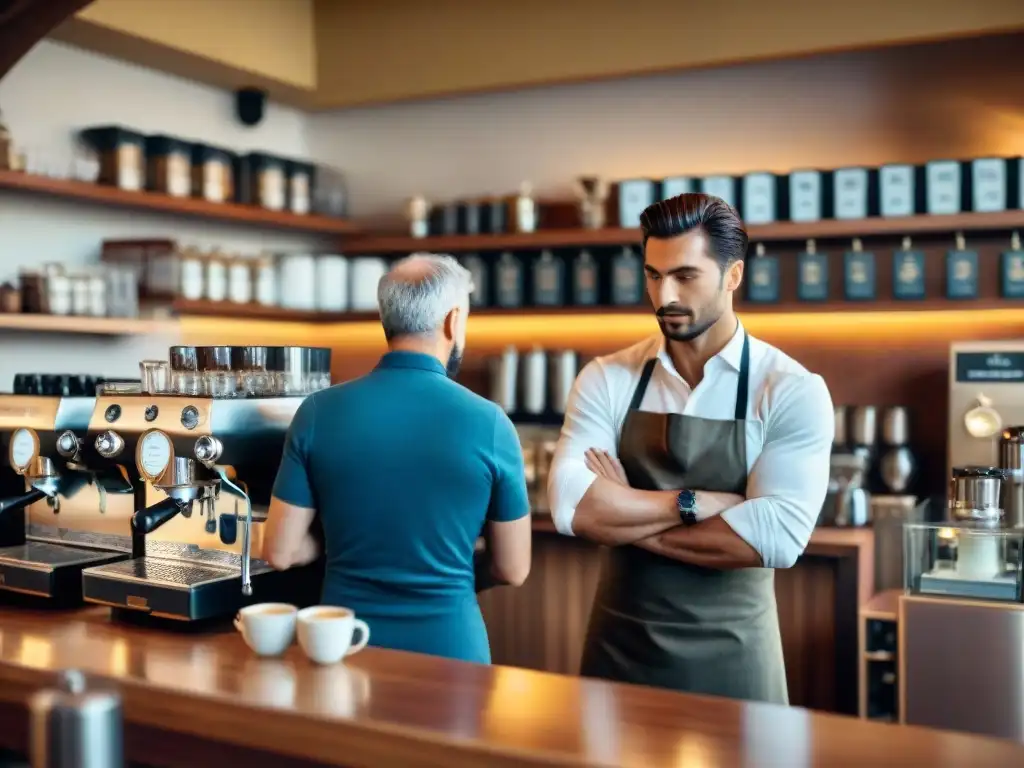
column 406, row 470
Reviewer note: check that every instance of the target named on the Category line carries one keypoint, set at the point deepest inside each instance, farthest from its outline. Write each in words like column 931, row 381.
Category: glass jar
column 265, row 280
column 80, row 295
column 185, row 379
column 250, row 366
column 216, row 277
column 240, row 276
column 215, row 371
column 331, row 283
column 298, row 281
column 188, row 383
column 59, row 299
column 192, row 273
column 97, row 295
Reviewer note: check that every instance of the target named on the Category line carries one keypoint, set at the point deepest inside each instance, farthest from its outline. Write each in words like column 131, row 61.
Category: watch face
column 687, row 500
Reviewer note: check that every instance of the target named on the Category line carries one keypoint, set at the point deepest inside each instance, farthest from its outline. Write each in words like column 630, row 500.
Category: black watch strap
column 686, row 501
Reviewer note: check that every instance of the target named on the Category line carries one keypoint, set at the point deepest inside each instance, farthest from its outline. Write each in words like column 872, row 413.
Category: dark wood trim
column 778, row 232
column 249, row 215
column 847, row 615
column 23, row 23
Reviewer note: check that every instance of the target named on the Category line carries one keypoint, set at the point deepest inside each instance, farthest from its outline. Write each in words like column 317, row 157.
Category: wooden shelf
column 781, row 232
column 93, row 326
column 249, row 215
column 745, row 309
column 261, row 312
column 545, row 238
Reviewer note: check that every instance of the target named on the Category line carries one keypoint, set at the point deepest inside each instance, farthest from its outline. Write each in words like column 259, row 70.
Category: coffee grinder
column 204, row 440
column 57, row 517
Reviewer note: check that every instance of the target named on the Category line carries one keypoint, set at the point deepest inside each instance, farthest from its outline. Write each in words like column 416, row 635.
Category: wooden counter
column 205, row 700
column 541, row 625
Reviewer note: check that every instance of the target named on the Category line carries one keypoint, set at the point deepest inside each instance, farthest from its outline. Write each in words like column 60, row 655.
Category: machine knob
column 109, row 444
column 208, row 449
column 68, row 445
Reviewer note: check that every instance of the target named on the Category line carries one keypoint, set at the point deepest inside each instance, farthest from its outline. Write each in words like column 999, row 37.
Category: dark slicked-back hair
column 712, row 215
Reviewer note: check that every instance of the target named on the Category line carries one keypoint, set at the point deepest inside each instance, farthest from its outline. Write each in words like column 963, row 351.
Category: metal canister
column 504, row 374
column 563, row 376
column 75, row 728
column 974, row 494
column 535, row 371
column 1011, row 461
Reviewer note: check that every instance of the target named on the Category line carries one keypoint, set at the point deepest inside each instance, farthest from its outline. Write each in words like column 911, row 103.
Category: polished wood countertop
column 390, row 708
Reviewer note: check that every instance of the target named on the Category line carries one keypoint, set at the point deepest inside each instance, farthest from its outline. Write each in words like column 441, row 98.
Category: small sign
column 1012, row 269
column 763, row 284
column 1005, row 367
column 859, row 276
column 962, row 275
column 813, row 277
column 908, row 275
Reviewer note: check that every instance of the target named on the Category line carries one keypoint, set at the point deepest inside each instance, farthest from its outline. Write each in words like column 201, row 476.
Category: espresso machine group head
column 203, row 440
column 57, row 517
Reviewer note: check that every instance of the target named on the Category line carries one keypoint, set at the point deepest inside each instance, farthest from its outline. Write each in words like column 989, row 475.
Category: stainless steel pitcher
column 72, row 727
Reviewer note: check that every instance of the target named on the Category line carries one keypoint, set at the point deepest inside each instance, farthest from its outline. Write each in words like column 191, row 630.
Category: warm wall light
column 607, row 331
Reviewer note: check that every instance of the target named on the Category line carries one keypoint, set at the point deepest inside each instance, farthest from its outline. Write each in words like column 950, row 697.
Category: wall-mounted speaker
column 250, row 104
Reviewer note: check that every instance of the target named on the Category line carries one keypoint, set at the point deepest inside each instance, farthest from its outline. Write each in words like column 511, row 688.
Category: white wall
column 911, row 104
column 56, row 90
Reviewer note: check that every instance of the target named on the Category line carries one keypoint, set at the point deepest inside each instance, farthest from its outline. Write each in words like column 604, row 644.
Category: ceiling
column 330, row 54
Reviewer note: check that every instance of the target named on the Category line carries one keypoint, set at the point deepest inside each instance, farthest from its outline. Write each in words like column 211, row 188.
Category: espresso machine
column 202, row 440
column 57, row 516
column 986, row 396
column 962, row 619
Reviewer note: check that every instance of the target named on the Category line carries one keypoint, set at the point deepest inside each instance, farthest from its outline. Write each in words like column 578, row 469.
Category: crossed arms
column 770, row 527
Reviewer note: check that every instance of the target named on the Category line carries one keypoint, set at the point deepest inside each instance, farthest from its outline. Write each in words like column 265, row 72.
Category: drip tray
column 164, row 573
column 168, row 589
column 52, row 571
column 46, row 557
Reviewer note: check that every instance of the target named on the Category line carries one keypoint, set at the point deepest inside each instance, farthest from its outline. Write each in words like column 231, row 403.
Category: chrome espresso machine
column 961, row 620
column 202, row 439
column 57, row 516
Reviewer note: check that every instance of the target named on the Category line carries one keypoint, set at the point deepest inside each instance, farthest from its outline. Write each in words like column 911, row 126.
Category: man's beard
column 709, row 317
column 454, row 362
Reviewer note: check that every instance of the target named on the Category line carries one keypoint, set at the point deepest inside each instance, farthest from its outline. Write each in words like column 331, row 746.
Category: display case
column 963, row 559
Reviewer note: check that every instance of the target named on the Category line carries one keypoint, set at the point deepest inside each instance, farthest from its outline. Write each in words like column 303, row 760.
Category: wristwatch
column 686, row 502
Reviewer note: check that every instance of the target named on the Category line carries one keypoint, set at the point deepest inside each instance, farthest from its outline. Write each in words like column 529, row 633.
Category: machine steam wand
column 208, row 449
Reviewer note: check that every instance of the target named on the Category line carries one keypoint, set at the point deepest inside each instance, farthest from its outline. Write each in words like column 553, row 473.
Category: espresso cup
column 325, row 633
column 267, row 628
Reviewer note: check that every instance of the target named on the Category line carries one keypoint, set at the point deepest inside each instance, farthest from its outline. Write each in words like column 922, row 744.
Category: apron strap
column 743, row 385
column 641, row 387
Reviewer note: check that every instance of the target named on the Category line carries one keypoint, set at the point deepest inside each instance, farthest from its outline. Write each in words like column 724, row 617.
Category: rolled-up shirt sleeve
column 589, row 423
column 788, row 481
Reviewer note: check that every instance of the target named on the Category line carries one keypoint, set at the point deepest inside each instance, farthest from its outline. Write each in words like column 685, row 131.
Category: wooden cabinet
column 541, row 625
column 879, row 663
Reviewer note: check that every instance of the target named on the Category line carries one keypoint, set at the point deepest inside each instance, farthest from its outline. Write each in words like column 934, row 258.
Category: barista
column 701, row 457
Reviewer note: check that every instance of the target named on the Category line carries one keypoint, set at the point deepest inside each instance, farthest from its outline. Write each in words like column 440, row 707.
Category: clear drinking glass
column 156, row 376
column 188, row 383
column 220, row 384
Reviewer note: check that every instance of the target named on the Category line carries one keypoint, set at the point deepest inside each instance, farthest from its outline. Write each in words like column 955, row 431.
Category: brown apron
column 659, row 622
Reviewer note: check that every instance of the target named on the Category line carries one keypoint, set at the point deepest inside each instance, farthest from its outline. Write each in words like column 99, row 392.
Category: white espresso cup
column 267, row 628
column 325, row 633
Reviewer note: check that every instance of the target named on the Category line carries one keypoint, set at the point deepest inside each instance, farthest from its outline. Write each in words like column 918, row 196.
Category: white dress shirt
column 789, row 431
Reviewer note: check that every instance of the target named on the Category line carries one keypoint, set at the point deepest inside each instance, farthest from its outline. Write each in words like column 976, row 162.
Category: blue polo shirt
column 404, row 467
